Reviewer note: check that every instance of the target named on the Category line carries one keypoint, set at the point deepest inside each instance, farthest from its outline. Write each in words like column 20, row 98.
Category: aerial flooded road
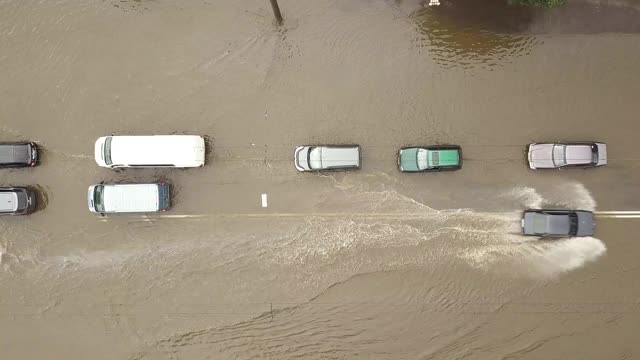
column 372, row 264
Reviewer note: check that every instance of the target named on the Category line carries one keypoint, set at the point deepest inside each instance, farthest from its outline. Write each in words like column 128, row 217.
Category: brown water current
column 372, row 264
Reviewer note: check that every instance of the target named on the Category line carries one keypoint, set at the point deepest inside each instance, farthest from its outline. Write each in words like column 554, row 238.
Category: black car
column 18, row 154
column 17, row 201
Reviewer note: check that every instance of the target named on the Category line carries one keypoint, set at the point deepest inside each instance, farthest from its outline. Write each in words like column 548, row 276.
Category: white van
column 128, row 198
column 180, row 151
column 326, row 157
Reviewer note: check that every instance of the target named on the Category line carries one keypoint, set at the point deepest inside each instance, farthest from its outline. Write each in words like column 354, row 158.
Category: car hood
column 409, row 159
column 90, row 193
column 98, row 154
column 300, row 158
column 541, row 156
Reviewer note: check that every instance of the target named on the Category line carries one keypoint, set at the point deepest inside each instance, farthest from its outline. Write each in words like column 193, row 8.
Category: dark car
column 557, row 223
column 18, row 154
column 17, row 201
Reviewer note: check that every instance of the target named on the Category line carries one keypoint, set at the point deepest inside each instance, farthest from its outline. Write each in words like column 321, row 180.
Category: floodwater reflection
column 490, row 32
column 469, row 33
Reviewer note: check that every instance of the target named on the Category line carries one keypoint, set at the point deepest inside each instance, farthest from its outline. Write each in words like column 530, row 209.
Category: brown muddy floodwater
column 371, row 264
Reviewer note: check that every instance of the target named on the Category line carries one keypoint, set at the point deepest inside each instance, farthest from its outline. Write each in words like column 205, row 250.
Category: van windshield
column 594, row 154
column 315, row 158
column 559, row 155
column 107, row 151
column 98, row 198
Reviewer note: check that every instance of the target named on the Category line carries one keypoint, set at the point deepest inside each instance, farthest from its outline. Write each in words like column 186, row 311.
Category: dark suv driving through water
column 17, row 201
column 18, row 154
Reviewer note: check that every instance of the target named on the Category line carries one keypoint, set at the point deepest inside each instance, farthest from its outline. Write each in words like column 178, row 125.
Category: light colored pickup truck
column 566, row 155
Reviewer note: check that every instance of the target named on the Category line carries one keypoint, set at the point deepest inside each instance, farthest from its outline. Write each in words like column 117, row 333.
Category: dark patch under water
column 574, row 17
column 461, row 33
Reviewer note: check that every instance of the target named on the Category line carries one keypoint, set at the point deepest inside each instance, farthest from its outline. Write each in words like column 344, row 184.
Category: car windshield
column 421, row 157
column 559, row 155
column 573, row 224
column 301, row 158
column 315, row 158
column 107, row 151
column 98, row 198
column 594, row 154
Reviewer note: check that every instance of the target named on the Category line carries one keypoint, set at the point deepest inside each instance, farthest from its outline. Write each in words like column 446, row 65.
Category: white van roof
column 130, row 198
column 158, row 150
column 334, row 157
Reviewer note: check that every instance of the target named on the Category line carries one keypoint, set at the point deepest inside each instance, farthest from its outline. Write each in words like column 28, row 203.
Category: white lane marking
column 619, row 216
column 264, row 201
column 626, row 214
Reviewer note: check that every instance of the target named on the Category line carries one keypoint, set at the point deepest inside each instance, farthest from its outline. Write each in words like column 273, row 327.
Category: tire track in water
column 481, row 238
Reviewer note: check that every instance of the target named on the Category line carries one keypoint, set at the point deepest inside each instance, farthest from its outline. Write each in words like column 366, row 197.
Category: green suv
column 430, row 158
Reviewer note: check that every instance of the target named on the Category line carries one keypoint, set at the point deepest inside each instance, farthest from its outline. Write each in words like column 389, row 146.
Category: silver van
column 128, row 198
column 326, row 157
column 17, row 201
